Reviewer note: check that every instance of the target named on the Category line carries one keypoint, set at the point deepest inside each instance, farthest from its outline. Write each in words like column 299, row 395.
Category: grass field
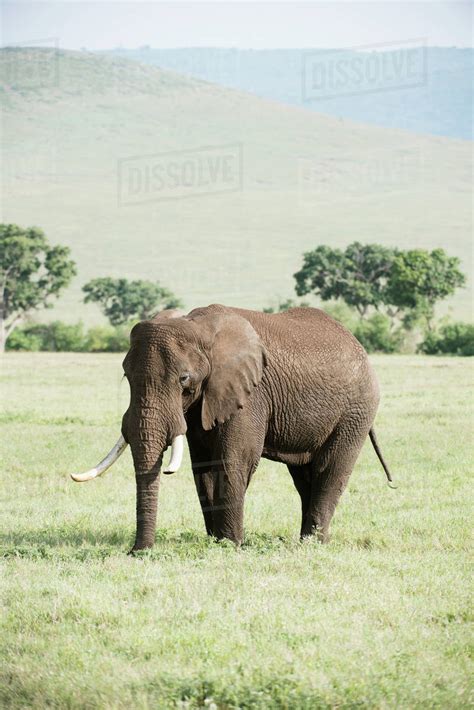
column 377, row 618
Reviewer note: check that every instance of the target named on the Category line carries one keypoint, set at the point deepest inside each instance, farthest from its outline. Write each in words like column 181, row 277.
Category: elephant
column 294, row 387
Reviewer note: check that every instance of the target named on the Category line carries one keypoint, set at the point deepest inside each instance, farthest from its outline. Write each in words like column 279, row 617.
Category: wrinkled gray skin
column 294, row 387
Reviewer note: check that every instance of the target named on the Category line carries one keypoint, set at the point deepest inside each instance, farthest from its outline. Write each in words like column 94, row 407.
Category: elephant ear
column 237, row 359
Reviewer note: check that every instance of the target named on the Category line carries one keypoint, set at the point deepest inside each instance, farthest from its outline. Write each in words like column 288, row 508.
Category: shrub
column 119, row 340
column 24, row 339
column 343, row 313
column 376, row 335
column 106, row 338
column 451, row 339
column 53, row 337
column 64, row 337
column 61, row 337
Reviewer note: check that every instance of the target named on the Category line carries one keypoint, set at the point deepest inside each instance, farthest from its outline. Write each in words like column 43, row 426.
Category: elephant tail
column 375, row 444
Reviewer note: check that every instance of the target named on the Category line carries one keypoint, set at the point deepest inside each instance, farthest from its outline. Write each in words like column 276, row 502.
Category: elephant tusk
column 106, row 463
column 177, row 448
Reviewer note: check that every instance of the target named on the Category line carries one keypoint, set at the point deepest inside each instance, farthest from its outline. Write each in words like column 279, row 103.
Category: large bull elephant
column 294, row 387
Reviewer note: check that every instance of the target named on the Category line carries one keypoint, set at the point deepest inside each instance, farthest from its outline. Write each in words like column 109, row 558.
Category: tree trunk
column 429, row 322
column 3, row 338
column 4, row 333
column 147, row 504
column 6, row 330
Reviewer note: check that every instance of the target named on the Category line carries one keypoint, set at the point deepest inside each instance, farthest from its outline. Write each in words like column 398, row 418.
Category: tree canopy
column 31, row 273
column 371, row 277
column 358, row 275
column 122, row 300
column 420, row 278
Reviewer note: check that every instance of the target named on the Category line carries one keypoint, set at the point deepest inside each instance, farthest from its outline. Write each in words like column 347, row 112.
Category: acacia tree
column 370, row 277
column 31, row 273
column 419, row 279
column 122, row 300
column 359, row 275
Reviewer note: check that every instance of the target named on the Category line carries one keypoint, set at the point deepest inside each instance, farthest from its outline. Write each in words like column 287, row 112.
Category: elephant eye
column 184, row 379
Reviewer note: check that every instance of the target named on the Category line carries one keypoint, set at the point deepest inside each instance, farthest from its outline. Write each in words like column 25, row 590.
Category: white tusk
column 106, row 463
column 177, row 448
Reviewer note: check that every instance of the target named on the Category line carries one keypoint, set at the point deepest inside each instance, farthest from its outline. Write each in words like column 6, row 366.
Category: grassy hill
column 216, row 193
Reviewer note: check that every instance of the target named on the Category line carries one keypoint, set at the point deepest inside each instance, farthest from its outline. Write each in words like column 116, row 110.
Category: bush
column 61, row 337
column 106, row 338
column 451, row 339
column 64, row 337
column 24, row 339
column 343, row 313
column 52, row 337
column 376, row 335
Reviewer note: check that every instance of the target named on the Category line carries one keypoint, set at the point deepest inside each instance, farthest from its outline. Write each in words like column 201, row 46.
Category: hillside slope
column 146, row 173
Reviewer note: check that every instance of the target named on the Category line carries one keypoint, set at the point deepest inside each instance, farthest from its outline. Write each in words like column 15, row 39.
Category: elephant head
column 211, row 358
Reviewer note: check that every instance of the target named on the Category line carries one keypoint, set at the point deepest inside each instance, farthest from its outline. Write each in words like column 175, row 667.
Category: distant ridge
column 29, row 71
column 441, row 103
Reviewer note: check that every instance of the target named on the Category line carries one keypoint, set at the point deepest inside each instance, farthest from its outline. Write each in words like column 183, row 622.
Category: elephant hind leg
column 302, row 476
column 330, row 474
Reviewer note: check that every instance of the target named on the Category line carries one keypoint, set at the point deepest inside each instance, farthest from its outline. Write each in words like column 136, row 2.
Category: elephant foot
column 138, row 548
column 314, row 532
column 319, row 539
column 227, row 540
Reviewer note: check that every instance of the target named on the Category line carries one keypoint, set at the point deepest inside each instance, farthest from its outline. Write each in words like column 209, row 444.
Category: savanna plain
column 379, row 618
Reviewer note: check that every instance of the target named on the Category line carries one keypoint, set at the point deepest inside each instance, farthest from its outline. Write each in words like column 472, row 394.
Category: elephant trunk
column 147, row 442
column 147, row 495
column 147, row 504
column 150, row 425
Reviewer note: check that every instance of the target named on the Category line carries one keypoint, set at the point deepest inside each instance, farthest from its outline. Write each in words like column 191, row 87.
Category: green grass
column 307, row 179
column 380, row 617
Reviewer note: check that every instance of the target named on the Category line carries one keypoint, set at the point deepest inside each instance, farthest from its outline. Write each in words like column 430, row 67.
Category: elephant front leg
column 223, row 465
column 222, row 500
column 233, row 471
column 228, row 502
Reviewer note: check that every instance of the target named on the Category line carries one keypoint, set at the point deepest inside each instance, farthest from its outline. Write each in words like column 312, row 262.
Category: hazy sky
column 108, row 23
